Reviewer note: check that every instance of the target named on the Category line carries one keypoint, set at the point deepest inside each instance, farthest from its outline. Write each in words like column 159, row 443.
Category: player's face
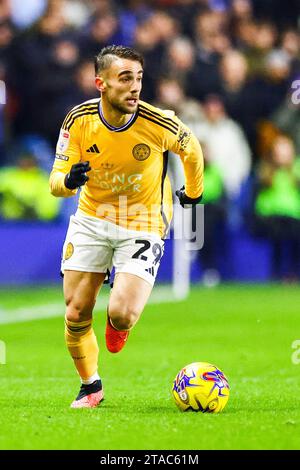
column 122, row 85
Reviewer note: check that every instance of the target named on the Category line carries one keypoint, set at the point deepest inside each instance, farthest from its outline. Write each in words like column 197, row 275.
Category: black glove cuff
column 68, row 183
column 189, row 200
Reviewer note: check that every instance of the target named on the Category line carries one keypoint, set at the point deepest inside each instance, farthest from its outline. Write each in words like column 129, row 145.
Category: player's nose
column 136, row 87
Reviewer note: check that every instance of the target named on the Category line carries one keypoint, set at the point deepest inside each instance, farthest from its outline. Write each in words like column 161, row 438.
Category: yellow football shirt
column 128, row 183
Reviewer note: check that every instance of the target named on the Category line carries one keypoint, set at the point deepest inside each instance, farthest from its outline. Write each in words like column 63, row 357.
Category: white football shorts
column 95, row 245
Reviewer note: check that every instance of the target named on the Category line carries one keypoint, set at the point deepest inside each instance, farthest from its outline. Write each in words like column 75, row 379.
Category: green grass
column 247, row 331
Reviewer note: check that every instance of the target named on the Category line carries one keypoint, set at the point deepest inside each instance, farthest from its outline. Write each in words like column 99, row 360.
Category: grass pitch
column 246, row 331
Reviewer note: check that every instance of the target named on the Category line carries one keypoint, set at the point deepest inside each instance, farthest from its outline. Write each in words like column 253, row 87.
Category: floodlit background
column 228, row 68
column 231, row 71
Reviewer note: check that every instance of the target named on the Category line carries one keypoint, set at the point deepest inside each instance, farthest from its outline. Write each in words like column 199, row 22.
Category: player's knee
column 123, row 316
column 78, row 311
column 124, row 322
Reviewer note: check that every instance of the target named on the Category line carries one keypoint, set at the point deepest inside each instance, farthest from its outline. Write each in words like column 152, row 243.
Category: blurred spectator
column 7, row 34
column 184, row 11
column 152, row 39
column 207, row 26
column 42, row 66
column 243, row 33
column 57, row 81
column 76, row 13
column 234, row 69
column 277, row 205
column 133, row 13
column 281, row 12
column 210, row 43
column 5, row 10
column 241, row 9
column 273, row 86
column 239, row 93
column 34, row 145
column 170, row 95
column 180, row 59
column 286, row 118
column 166, row 26
column 226, row 145
column 102, row 7
column 103, row 30
column 214, row 217
column 85, row 82
column 263, row 42
column 290, row 44
column 82, row 88
column 147, row 41
column 25, row 17
column 24, row 193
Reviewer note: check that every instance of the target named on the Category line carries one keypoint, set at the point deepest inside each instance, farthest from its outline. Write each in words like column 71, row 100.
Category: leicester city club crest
column 141, row 152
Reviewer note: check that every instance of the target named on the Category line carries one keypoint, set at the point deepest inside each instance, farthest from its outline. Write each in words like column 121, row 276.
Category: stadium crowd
column 229, row 68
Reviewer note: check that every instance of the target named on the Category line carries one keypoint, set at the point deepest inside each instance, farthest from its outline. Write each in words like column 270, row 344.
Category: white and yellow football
column 201, row 386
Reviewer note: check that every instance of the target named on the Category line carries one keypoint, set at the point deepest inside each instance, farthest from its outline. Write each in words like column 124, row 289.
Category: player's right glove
column 77, row 176
column 186, row 201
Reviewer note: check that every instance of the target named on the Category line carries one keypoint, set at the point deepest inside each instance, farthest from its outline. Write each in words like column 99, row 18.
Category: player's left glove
column 184, row 200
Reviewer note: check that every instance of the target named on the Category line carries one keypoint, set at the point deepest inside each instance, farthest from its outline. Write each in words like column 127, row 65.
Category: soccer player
column 116, row 149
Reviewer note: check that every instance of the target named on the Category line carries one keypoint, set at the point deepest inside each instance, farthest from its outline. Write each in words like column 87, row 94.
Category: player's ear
column 100, row 84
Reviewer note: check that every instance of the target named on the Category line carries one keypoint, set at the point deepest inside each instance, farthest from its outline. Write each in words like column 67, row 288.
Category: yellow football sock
column 82, row 344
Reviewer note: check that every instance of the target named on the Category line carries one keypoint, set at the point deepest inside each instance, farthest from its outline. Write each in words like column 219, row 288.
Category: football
column 201, row 386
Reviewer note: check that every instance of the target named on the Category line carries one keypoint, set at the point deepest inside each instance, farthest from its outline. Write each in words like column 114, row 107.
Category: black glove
column 77, row 176
column 184, row 199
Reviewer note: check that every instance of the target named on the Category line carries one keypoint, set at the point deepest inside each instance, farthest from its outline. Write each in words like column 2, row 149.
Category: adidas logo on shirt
column 93, row 149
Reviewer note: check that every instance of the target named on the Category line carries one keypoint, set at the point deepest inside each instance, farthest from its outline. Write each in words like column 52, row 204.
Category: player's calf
column 115, row 339
column 127, row 301
column 119, row 323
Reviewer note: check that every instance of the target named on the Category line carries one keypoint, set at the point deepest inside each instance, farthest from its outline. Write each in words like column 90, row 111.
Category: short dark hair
column 108, row 54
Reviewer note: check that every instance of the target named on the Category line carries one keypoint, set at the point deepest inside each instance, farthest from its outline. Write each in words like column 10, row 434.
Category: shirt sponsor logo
column 117, row 182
